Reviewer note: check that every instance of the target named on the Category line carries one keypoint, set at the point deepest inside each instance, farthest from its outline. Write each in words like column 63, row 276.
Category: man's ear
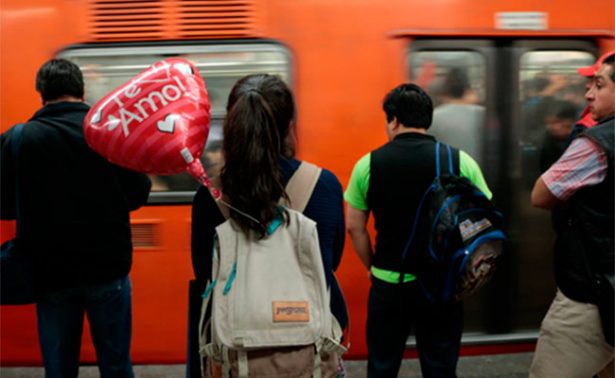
column 395, row 124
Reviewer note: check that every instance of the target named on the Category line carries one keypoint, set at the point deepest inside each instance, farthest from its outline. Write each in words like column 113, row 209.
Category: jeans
column 392, row 311
column 60, row 325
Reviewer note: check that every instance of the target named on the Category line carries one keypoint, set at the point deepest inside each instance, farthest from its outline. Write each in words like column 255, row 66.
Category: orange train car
column 340, row 57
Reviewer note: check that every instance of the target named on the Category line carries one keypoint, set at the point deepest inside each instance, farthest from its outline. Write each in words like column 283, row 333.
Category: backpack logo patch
column 469, row 229
column 291, row 311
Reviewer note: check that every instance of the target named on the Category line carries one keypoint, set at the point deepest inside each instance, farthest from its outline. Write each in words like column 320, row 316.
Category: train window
column 455, row 81
column 106, row 68
column 551, row 100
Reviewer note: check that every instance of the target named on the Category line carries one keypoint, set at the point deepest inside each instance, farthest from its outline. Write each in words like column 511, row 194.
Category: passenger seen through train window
column 455, row 80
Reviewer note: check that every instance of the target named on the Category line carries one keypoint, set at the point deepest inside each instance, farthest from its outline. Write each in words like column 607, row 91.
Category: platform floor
column 494, row 366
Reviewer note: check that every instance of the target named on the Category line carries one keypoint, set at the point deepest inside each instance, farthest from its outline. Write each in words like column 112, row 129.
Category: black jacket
column 73, row 204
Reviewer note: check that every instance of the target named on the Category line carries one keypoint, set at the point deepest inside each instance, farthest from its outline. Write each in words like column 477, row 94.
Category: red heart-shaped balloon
column 157, row 122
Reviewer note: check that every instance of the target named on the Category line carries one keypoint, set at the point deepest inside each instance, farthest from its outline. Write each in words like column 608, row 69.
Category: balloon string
column 238, row 211
column 218, row 197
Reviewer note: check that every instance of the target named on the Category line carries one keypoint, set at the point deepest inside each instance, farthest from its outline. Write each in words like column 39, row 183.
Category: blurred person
column 559, row 118
column 213, row 158
column 158, row 184
column 535, row 110
column 533, row 89
column 545, row 88
column 576, row 335
column 575, row 93
column 389, row 182
column 259, row 149
column 459, row 119
column 72, row 209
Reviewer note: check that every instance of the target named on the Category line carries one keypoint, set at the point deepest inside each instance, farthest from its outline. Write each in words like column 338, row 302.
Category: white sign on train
column 521, row 20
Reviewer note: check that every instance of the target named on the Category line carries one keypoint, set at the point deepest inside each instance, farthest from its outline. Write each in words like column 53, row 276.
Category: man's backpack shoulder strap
column 301, row 185
column 444, row 159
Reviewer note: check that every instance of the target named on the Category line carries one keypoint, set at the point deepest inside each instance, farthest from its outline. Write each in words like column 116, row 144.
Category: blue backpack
column 465, row 236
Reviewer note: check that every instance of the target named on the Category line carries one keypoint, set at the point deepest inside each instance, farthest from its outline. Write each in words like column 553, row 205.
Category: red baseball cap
column 590, row 71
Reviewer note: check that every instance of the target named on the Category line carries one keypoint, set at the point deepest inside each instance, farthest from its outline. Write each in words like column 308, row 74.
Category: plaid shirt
column 582, row 164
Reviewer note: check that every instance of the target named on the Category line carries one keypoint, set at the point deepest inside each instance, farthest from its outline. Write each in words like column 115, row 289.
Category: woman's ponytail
column 252, row 147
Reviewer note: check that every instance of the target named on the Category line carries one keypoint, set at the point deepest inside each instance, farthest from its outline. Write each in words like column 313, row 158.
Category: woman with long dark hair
column 258, row 149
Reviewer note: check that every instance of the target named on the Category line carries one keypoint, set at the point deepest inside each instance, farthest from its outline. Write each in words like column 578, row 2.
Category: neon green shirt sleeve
column 469, row 168
column 356, row 192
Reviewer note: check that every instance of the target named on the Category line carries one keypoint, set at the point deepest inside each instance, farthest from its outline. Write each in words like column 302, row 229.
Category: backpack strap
column 301, row 185
column 448, row 157
column 439, row 171
column 299, row 188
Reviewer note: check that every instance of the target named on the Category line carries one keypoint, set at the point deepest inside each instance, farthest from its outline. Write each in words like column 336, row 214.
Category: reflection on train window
column 551, row 100
column 105, row 69
column 455, row 81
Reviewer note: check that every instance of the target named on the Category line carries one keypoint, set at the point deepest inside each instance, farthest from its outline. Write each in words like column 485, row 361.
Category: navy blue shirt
column 325, row 207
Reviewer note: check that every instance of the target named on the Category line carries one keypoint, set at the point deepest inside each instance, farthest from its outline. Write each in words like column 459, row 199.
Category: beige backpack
column 268, row 299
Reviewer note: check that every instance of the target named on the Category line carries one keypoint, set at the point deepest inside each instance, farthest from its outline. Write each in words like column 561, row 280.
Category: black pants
column 193, row 359
column 392, row 310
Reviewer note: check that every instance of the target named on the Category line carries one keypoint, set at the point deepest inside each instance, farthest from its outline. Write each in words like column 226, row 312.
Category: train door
column 498, row 100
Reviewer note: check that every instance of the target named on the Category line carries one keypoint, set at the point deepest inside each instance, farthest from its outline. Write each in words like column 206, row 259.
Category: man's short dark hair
column 58, row 78
column 410, row 105
column 610, row 60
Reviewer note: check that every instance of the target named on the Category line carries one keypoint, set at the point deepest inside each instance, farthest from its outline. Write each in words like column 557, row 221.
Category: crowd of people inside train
column 78, row 229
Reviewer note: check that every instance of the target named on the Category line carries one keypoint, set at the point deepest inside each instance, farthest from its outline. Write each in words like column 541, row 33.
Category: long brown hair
column 260, row 112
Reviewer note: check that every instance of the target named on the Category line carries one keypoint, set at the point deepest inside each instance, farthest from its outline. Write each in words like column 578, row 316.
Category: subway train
column 340, row 58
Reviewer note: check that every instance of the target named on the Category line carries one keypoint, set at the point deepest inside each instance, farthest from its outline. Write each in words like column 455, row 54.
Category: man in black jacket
column 576, row 336
column 72, row 209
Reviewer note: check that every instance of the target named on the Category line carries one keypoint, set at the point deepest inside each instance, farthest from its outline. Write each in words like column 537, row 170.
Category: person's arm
column 542, row 196
column 582, row 164
column 136, row 187
column 356, row 225
column 357, row 212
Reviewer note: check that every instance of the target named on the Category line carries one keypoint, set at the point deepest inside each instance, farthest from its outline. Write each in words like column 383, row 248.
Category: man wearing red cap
column 586, row 116
column 576, row 335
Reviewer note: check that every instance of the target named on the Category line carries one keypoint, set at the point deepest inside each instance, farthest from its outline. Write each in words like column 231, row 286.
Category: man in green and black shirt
column 389, row 182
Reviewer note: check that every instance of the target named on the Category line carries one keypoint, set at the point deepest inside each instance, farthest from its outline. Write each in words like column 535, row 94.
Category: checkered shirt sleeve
column 582, row 164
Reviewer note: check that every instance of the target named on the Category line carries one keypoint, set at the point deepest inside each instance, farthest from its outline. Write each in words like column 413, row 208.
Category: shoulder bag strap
column 448, row 159
column 299, row 188
column 301, row 185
